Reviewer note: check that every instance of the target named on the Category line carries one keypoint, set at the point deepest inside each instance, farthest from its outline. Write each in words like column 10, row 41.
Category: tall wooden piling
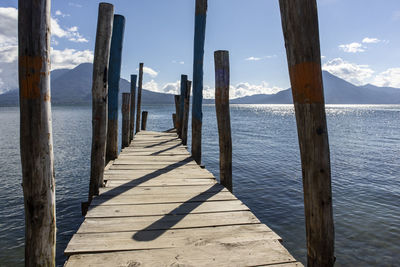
column 198, row 57
column 139, row 97
column 99, row 97
column 144, row 120
column 133, row 99
column 181, row 104
column 177, row 111
column 185, row 121
column 221, row 60
column 125, row 110
column 300, row 29
column 174, row 119
column 36, row 139
column 113, row 87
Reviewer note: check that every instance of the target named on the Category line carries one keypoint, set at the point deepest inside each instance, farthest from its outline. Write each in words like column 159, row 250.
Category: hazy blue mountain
column 73, row 87
column 336, row 90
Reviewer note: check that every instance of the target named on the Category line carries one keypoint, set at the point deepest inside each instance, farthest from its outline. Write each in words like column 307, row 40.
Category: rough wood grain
column 221, row 59
column 177, row 111
column 183, row 87
column 139, row 97
column 300, row 29
column 36, row 137
column 114, row 73
column 133, row 106
column 185, row 118
column 99, row 97
column 253, row 253
column 144, row 120
column 125, row 110
column 198, row 58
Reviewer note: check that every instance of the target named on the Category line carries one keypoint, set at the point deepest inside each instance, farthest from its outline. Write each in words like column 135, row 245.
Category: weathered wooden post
column 186, row 113
column 174, row 119
column 300, row 29
column 99, row 99
column 181, row 104
column 177, row 107
column 113, row 87
column 125, row 110
column 221, row 60
column 36, row 139
column 139, row 97
column 198, row 57
column 133, row 99
column 144, row 120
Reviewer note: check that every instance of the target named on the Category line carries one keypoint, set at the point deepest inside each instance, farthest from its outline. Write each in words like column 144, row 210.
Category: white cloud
column 235, row 91
column 368, row 40
column 352, row 48
column 178, row 62
column 71, row 33
column 8, row 26
column 69, row 58
column 354, row 73
column 60, row 14
column 75, row 5
column 388, row 78
column 253, row 58
column 259, row 58
column 149, row 71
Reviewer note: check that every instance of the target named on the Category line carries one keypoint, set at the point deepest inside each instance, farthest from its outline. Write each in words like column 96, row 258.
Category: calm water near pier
column 365, row 158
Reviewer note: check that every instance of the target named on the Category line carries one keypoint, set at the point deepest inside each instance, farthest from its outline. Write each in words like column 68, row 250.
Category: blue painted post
column 181, row 104
column 198, row 57
column 113, row 87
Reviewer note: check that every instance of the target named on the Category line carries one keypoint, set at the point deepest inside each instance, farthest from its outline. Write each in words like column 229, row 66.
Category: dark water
column 365, row 157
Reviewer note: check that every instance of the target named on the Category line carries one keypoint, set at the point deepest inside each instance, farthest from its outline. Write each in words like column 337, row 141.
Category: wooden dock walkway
column 159, row 208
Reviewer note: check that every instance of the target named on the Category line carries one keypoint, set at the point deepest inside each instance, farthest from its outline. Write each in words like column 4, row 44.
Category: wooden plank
column 166, row 222
column 197, row 237
column 184, row 173
column 189, row 189
column 161, row 198
column 158, row 182
column 253, row 253
column 152, row 167
column 164, row 208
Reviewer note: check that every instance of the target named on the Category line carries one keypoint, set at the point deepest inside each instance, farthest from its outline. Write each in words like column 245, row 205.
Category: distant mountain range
column 73, row 87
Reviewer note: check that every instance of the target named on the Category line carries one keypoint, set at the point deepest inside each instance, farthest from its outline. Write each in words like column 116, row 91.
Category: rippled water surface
column 365, row 158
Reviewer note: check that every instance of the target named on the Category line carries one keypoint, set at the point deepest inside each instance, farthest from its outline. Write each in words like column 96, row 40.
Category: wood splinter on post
column 300, row 30
column 221, row 59
column 125, row 110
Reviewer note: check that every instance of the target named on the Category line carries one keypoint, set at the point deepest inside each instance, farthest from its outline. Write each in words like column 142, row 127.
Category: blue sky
column 360, row 41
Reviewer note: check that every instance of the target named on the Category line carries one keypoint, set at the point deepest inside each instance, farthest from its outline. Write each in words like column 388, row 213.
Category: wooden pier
column 159, row 208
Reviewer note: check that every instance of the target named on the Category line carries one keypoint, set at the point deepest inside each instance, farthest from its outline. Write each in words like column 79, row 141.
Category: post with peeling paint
column 300, row 29
column 221, row 59
column 198, row 57
column 125, row 110
column 144, row 120
column 181, row 104
column 139, row 97
column 133, row 99
column 177, row 107
column 36, row 139
column 186, row 113
column 113, row 87
column 99, row 99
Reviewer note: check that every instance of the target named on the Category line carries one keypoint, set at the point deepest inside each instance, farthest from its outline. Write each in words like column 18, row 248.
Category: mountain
column 73, row 87
column 336, row 91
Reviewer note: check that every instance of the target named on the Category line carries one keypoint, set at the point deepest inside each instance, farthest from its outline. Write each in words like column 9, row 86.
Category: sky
column 360, row 41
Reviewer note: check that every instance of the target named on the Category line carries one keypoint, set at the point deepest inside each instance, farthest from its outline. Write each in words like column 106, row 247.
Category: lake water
column 365, row 158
